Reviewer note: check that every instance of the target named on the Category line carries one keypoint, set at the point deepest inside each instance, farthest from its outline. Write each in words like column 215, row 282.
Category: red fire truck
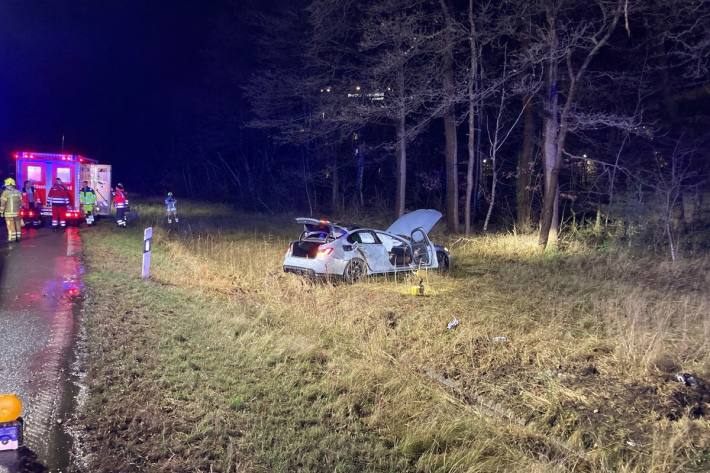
column 41, row 169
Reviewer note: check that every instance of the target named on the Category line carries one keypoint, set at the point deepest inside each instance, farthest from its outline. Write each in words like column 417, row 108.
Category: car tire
column 444, row 261
column 355, row 270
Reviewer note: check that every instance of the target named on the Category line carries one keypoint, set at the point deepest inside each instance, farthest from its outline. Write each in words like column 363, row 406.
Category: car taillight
column 323, row 252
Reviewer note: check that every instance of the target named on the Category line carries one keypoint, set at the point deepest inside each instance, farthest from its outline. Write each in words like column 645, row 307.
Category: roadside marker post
column 147, row 244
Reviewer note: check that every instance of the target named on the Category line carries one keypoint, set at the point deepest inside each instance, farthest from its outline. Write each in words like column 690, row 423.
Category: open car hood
column 422, row 218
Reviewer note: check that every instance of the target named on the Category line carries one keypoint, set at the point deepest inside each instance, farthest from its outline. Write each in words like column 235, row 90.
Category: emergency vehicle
column 42, row 169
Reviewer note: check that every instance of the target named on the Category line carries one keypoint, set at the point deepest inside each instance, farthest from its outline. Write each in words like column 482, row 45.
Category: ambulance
column 42, row 169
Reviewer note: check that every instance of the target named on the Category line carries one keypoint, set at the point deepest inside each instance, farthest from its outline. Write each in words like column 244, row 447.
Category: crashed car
column 326, row 249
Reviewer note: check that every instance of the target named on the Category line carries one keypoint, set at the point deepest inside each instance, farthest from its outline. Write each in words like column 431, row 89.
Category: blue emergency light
column 11, row 435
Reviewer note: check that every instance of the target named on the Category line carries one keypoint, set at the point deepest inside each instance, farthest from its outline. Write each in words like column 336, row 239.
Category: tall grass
column 581, row 381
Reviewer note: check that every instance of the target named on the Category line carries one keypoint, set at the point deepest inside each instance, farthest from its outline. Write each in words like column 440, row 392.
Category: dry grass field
column 563, row 361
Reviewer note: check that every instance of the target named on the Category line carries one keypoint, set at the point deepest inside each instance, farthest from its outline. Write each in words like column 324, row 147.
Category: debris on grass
column 687, row 379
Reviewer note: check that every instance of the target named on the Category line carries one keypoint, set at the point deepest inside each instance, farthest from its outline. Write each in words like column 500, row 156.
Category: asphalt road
column 40, row 278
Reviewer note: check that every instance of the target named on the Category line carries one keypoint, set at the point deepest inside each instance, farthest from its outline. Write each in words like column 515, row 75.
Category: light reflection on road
column 40, row 288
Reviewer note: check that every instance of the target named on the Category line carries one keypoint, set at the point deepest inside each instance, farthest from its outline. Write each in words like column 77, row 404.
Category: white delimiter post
column 147, row 238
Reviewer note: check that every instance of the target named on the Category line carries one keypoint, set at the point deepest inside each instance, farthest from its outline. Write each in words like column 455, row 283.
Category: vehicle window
column 418, row 236
column 64, row 174
column 34, row 173
column 388, row 241
column 367, row 237
column 362, row 237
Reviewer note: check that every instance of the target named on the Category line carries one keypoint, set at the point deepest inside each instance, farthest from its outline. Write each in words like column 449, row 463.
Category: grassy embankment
column 223, row 363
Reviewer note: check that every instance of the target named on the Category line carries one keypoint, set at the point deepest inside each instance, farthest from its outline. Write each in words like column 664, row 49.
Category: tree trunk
column 556, row 125
column 452, row 195
column 452, row 188
column 335, row 185
column 550, row 205
column 470, row 168
column 525, row 161
column 471, row 119
column 549, row 225
column 477, row 172
column 359, row 177
column 493, row 196
column 401, row 167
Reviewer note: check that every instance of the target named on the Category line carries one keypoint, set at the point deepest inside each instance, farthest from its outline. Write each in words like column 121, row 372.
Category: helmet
column 119, row 186
column 9, row 181
column 170, row 194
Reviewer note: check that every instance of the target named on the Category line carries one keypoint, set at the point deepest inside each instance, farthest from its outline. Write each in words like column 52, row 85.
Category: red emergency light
column 71, row 214
column 28, row 213
column 53, row 157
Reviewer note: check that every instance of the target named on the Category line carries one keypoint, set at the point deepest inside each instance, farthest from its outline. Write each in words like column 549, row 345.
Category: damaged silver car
column 326, row 249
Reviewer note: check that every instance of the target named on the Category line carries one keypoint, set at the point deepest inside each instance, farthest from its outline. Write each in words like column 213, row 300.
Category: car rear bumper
column 314, row 267
column 299, row 271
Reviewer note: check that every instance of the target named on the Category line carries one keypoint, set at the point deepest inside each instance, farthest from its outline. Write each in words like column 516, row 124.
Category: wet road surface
column 40, row 279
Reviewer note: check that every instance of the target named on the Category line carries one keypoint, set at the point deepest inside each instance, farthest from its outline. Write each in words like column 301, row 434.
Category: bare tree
column 573, row 43
column 398, row 37
column 471, row 81
column 500, row 134
column 669, row 180
column 525, row 167
column 449, row 97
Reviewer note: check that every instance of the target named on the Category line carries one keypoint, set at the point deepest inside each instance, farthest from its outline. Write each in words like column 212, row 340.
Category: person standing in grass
column 87, row 197
column 10, row 205
column 171, row 208
column 120, row 201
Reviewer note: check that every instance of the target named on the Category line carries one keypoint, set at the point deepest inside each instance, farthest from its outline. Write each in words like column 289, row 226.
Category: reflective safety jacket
column 170, row 204
column 87, row 196
column 120, row 199
column 10, row 202
column 58, row 196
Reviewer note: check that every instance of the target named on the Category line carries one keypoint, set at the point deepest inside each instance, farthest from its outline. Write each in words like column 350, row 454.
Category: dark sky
column 107, row 74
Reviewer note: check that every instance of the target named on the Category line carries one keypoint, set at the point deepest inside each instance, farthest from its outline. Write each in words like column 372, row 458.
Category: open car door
column 423, row 251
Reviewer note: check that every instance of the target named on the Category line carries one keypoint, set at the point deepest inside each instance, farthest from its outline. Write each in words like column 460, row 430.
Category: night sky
column 111, row 76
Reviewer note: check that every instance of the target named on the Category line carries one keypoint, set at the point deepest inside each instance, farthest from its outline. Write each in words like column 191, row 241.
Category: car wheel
column 444, row 262
column 355, row 270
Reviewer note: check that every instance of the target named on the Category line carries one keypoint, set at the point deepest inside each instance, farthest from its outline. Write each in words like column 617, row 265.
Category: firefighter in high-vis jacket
column 120, row 201
column 87, row 197
column 58, row 199
column 10, row 205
